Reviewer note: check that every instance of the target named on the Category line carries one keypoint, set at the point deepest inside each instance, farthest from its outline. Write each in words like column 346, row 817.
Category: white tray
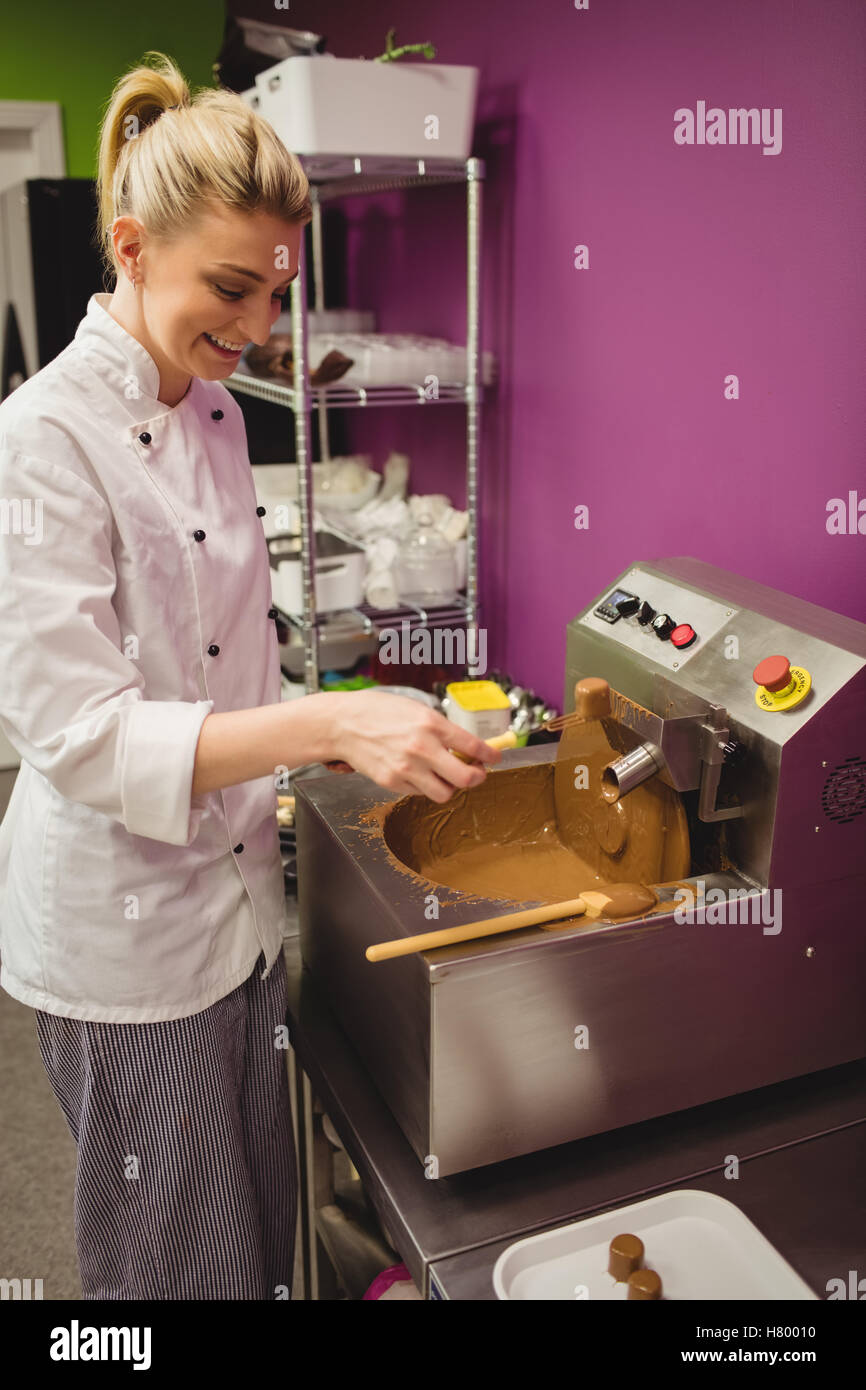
column 701, row 1246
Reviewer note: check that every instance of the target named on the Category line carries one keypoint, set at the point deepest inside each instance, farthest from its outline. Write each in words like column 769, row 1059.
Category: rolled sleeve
column 72, row 703
column 161, row 734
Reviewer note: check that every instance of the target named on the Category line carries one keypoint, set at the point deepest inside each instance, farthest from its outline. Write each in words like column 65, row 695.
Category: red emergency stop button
column 781, row 686
column 773, row 673
column 683, row 635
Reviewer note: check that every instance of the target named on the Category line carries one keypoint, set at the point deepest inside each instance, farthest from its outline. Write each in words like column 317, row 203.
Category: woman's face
column 223, row 279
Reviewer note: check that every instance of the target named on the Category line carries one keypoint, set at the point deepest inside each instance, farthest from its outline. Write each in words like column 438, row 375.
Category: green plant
column 391, row 53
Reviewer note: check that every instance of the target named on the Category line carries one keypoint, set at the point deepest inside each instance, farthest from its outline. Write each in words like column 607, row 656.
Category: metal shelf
column 370, row 620
column 344, row 176
column 339, row 397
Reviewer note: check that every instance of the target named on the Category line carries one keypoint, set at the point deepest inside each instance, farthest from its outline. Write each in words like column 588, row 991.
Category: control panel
column 660, row 619
column 770, row 670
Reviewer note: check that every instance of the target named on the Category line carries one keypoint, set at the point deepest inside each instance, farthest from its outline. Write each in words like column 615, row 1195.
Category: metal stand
column 343, row 176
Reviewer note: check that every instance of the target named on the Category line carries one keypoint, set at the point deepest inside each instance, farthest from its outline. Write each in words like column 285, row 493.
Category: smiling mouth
column 222, row 345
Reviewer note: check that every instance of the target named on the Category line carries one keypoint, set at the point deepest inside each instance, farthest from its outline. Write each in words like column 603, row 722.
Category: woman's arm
column 243, row 744
column 398, row 742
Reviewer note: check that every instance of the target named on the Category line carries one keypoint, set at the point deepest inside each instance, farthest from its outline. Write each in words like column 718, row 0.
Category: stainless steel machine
column 750, row 704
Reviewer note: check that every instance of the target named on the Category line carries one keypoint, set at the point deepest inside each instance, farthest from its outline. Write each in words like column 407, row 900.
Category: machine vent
column 844, row 794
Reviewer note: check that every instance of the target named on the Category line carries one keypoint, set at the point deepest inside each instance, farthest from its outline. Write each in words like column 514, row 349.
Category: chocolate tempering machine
column 739, row 706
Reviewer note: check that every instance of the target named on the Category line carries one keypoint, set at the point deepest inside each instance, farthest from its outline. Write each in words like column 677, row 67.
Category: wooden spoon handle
column 506, row 740
column 489, row 926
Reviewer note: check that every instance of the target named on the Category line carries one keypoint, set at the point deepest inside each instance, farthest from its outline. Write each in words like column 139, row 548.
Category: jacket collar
column 123, row 363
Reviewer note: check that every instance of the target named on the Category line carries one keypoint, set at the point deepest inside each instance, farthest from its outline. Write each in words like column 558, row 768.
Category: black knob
column 734, row 752
column 216, row 415
column 645, row 614
column 198, row 535
column 272, row 612
column 260, row 511
column 239, row 849
column 145, row 438
column 663, row 626
column 213, row 649
column 627, row 606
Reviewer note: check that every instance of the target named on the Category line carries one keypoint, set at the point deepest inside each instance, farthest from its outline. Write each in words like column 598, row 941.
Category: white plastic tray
column 701, row 1246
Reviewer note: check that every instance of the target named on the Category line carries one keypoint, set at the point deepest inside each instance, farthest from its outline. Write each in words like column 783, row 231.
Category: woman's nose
column 258, row 324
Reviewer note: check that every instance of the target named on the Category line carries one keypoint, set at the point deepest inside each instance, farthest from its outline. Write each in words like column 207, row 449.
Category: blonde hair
column 164, row 169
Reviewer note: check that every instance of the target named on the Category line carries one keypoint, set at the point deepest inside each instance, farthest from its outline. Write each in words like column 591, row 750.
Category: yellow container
column 480, row 706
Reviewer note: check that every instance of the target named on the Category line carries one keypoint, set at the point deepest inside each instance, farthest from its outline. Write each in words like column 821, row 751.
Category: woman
column 141, row 892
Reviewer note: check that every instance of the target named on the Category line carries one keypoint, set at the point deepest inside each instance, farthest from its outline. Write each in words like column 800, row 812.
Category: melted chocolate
column 592, row 697
column 529, row 834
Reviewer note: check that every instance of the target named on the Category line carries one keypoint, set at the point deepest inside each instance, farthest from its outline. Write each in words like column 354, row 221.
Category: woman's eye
column 238, row 294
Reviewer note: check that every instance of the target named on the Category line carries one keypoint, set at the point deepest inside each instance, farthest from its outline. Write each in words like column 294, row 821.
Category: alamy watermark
column 22, row 516
column 729, row 906
column 77, row 1343
column 20, row 1289
column 439, row 646
column 736, row 126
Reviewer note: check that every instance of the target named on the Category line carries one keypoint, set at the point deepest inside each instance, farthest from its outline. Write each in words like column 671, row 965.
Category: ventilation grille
column 844, row 794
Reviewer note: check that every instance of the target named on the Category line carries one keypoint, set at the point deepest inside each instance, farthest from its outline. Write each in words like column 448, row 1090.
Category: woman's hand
column 403, row 745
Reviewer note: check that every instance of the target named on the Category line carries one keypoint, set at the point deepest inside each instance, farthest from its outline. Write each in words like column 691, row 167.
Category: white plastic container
column 701, row 1245
column 339, row 577
column 343, row 484
column 322, row 105
column 253, row 97
column 385, row 359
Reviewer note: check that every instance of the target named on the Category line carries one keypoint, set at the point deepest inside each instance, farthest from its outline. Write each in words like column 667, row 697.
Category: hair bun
column 227, row 153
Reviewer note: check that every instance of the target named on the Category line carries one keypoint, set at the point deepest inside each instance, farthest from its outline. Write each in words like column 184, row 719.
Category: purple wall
column 704, row 261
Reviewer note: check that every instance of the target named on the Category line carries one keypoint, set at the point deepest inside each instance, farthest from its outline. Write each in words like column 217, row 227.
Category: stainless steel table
column 807, row 1199
column 801, row 1147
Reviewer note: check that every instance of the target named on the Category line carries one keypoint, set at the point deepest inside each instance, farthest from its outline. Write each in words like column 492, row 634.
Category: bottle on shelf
column 425, row 569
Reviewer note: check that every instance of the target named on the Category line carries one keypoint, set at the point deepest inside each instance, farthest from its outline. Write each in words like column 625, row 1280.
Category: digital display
column 616, row 596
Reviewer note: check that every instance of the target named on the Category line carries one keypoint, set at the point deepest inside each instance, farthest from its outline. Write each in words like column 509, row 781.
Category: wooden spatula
column 615, row 900
column 506, row 740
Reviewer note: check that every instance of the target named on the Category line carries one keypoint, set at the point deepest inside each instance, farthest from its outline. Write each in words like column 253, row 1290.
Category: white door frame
column 44, row 122
column 42, row 156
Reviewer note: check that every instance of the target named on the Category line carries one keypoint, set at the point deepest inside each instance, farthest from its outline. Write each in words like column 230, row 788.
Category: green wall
column 73, row 53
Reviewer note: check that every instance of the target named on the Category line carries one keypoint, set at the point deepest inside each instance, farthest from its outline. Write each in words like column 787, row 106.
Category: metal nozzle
column 621, row 777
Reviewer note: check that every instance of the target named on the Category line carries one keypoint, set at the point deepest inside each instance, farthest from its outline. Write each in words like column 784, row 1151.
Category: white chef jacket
column 135, row 599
